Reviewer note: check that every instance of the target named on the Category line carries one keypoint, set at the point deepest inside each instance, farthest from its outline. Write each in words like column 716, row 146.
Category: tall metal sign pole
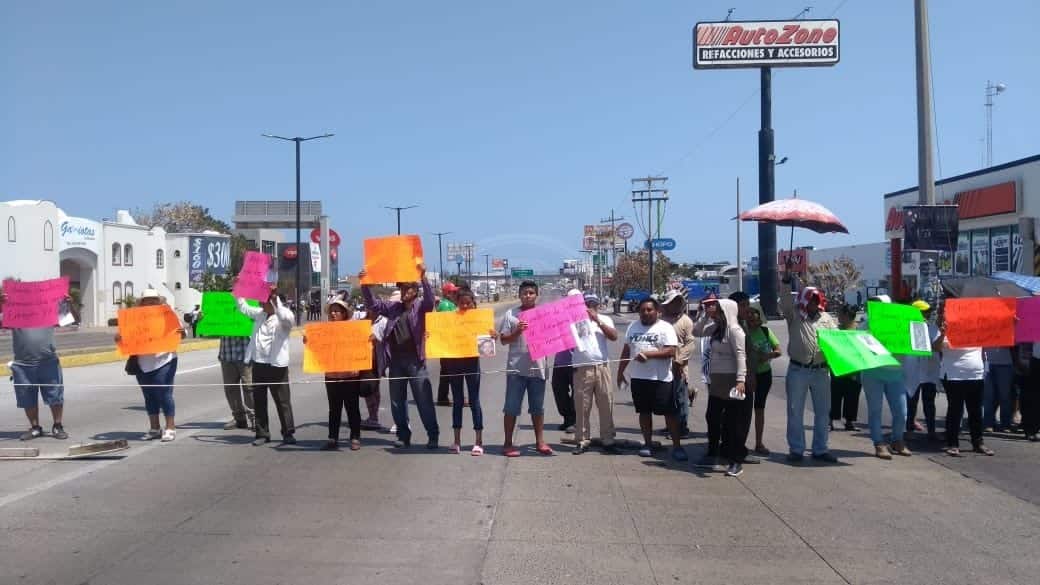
column 764, row 45
column 925, row 175
column 650, row 195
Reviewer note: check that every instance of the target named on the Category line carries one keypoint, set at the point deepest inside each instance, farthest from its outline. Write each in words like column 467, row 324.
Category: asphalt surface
column 210, row 508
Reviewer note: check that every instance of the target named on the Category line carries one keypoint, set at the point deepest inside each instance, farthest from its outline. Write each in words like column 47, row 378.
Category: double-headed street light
column 298, row 140
column 399, row 210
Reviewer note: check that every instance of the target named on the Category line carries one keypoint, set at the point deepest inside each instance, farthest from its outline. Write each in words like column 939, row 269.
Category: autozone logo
column 709, row 35
column 795, row 43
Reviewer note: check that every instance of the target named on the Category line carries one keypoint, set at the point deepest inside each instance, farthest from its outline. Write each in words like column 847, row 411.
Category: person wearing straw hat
column 155, row 373
column 673, row 310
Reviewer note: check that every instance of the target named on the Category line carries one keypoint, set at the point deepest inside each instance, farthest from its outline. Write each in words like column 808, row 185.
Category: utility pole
column 440, row 253
column 613, row 237
column 740, row 264
column 649, row 195
column 399, row 210
column 487, row 276
column 925, row 176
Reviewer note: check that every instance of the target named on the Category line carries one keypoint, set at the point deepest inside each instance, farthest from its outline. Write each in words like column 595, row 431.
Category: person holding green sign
column 885, row 384
column 845, row 389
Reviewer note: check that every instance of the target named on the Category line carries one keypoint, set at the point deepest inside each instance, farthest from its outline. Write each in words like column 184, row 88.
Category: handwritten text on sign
column 33, row 304
column 453, row 334
column 252, row 279
column 890, row 323
column 144, row 330
column 221, row 317
column 392, row 259
column 980, row 322
column 1028, row 326
column 549, row 326
column 337, row 346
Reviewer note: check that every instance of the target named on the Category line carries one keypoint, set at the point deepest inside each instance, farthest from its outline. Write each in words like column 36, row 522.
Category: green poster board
column 853, row 351
column 221, row 317
column 900, row 328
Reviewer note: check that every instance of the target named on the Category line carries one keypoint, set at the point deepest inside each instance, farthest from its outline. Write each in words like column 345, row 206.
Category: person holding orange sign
column 344, row 390
column 962, row 370
column 405, row 341
column 155, row 373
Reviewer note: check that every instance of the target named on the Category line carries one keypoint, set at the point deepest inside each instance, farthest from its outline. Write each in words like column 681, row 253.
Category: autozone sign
column 772, row 43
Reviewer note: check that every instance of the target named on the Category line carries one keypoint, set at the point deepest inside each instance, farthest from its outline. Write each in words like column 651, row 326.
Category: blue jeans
column 404, row 372
column 473, row 389
column 516, row 386
column 157, row 387
column 801, row 382
column 877, row 390
column 998, row 391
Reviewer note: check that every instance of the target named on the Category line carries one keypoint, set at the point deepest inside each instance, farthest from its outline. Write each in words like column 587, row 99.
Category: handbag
column 132, row 367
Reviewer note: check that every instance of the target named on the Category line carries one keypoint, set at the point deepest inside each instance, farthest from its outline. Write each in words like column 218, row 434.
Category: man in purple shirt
column 405, row 343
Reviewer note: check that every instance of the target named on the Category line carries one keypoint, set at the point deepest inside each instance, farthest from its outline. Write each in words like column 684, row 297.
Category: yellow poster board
column 453, row 334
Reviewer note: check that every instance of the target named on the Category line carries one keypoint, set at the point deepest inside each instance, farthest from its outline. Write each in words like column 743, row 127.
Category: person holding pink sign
column 36, row 372
column 523, row 375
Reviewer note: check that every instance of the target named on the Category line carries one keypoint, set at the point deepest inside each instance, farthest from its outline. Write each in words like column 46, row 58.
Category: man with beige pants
column 238, row 381
column 592, row 378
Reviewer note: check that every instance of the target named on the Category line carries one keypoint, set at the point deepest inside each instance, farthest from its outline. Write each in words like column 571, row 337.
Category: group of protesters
column 732, row 337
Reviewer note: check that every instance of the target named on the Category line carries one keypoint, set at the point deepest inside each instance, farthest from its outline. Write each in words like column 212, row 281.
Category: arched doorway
column 80, row 266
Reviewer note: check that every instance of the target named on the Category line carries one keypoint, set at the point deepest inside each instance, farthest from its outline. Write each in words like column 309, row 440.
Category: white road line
column 197, row 369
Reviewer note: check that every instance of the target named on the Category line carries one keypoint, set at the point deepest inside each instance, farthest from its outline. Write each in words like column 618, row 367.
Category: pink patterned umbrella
column 795, row 212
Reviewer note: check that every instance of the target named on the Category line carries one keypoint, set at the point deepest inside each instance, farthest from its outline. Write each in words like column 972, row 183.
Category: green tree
column 188, row 217
column 633, row 271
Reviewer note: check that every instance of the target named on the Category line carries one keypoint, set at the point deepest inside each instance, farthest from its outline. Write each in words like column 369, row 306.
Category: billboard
column 570, row 266
column 208, row 254
column 768, row 43
column 799, row 260
column 931, row 228
column 498, row 266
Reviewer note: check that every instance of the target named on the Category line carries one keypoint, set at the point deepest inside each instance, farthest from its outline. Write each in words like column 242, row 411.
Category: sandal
column 477, row 451
column 511, row 452
column 953, row 451
column 545, row 450
column 984, row 450
column 355, row 445
column 456, row 449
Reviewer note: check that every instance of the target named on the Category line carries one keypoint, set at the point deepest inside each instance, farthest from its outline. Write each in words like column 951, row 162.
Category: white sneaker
column 393, row 429
column 151, row 435
column 169, row 435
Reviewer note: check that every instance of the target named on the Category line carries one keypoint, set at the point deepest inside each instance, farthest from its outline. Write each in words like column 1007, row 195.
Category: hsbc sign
column 794, row 43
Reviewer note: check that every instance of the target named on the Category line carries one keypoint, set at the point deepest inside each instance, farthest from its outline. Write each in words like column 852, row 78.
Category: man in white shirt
column 592, row 378
column 268, row 352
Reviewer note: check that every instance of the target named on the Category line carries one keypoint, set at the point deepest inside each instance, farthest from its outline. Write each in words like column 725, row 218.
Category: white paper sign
column 919, row 336
column 873, row 344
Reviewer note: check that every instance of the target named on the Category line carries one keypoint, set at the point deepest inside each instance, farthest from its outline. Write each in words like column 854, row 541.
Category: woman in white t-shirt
column 962, row 371
column 647, row 357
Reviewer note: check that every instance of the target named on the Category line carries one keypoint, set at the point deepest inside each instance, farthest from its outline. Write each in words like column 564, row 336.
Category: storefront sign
column 79, row 233
column 795, row 43
column 930, row 228
column 208, row 254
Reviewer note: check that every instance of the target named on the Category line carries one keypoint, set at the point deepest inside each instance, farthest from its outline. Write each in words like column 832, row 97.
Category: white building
column 30, row 250
column 108, row 261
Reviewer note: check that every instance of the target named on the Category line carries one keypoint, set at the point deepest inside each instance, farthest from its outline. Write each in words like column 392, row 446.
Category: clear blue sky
column 510, row 124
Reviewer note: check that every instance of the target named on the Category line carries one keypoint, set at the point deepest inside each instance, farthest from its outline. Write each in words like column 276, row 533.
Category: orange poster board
column 452, row 334
column 144, row 330
column 337, row 346
column 392, row 259
column 988, row 322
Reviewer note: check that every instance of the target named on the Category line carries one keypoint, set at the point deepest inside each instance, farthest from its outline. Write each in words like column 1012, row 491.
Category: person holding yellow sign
column 466, row 370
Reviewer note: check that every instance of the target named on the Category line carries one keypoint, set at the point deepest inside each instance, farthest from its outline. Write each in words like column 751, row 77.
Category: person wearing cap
column 592, row 378
column 343, row 390
column 881, row 385
column 155, row 373
column 807, row 374
column 405, row 342
column 36, row 372
column 449, row 296
column 673, row 311
column 926, row 382
column 268, row 353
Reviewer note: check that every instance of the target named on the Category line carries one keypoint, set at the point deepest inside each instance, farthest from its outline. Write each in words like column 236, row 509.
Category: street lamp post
column 440, row 254
column 487, row 276
column 399, row 210
column 298, row 140
column 991, row 92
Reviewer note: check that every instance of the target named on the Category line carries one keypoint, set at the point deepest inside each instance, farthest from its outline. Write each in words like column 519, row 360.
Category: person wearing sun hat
column 155, row 373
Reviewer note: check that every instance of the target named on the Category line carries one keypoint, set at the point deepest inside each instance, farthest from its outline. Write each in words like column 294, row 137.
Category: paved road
column 210, row 508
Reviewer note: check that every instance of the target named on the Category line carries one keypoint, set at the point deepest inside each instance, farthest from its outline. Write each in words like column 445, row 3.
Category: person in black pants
column 845, row 389
column 273, row 379
column 563, row 389
column 963, row 374
column 1030, row 400
column 344, row 389
column 268, row 352
column 925, row 392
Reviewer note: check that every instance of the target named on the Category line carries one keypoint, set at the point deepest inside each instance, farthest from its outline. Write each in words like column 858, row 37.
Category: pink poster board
column 33, row 304
column 1027, row 328
column 549, row 326
column 252, row 279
